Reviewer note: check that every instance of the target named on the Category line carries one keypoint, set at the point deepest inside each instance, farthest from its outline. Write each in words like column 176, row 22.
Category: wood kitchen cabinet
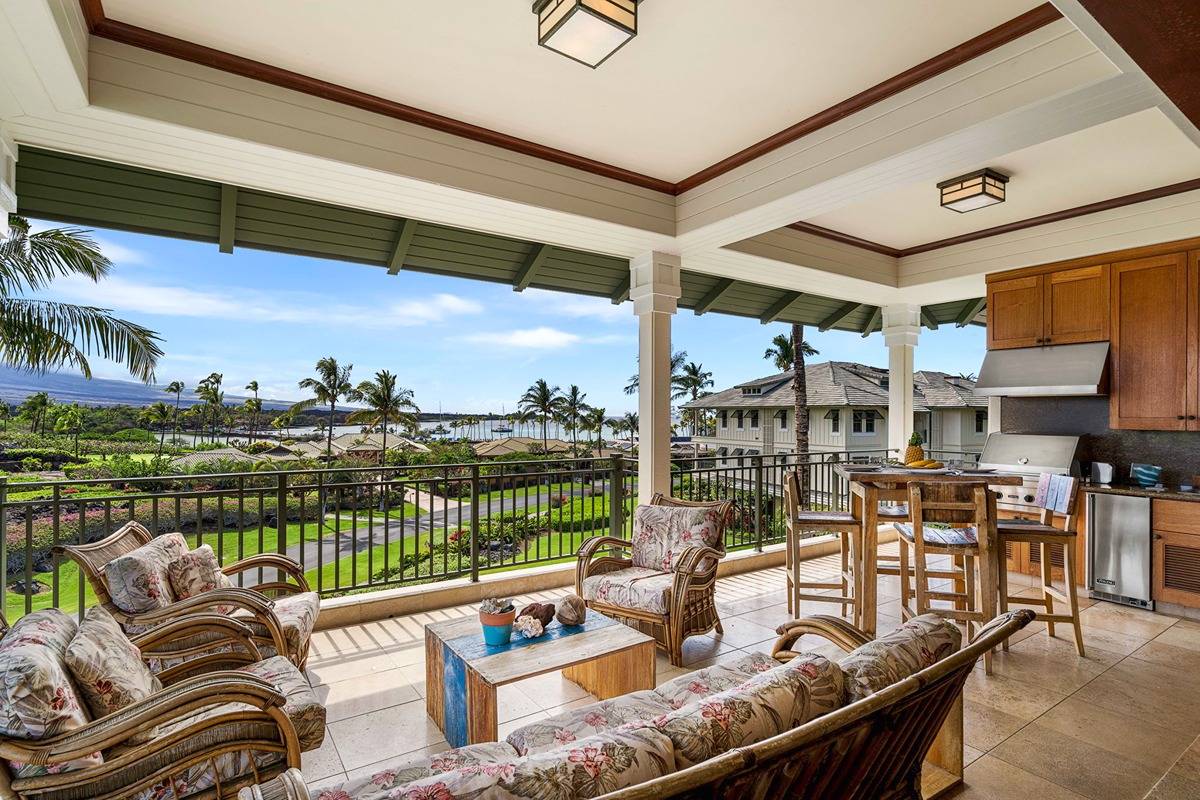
column 1175, row 575
column 1153, row 373
column 1066, row 306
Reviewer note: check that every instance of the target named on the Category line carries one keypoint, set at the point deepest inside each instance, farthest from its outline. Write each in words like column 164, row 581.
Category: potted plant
column 496, row 616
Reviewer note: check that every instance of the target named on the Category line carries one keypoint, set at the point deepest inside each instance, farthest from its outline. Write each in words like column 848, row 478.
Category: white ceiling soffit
column 702, row 80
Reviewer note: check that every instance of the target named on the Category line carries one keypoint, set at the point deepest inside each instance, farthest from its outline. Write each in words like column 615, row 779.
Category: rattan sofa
column 280, row 613
column 681, row 597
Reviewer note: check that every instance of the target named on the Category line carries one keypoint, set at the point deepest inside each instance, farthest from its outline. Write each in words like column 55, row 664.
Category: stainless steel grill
column 1027, row 455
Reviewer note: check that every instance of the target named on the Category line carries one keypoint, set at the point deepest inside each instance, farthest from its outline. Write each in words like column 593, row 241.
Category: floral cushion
column 586, row 721
column 37, row 698
column 585, row 769
column 753, row 663
column 379, row 785
column 661, row 534
column 764, row 706
column 918, row 643
column 138, row 581
column 297, row 613
column 196, row 572
column 695, row 686
column 633, row 587
column 303, row 707
column 108, row 669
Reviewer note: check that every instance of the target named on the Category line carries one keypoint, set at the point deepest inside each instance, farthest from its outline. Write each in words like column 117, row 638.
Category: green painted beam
column 970, row 311
column 622, row 291
column 408, row 229
column 528, row 271
column 927, row 319
column 781, row 305
column 833, row 319
column 709, row 300
column 872, row 321
column 228, row 218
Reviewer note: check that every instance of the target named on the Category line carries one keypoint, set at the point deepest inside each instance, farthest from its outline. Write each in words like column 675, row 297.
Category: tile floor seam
column 1071, row 789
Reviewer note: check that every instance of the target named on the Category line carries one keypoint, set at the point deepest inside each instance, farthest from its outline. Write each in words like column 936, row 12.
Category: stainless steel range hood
column 1055, row 371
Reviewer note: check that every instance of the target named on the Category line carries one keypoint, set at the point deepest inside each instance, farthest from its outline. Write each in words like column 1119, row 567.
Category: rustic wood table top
column 899, row 476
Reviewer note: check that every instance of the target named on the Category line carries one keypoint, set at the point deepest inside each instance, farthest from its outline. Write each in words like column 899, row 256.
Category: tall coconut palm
column 385, row 402
column 781, row 355
column 253, row 406
column 572, row 408
column 544, row 401
column 158, row 415
column 677, row 360
column 329, row 385
column 593, row 422
column 209, row 391
column 800, row 349
column 694, row 379
column 43, row 334
column 176, row 388
column 629, row 423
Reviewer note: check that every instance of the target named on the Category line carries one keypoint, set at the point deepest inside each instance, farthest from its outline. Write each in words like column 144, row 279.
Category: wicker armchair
column 669, row 605
column 216, row 725
column 280, row 613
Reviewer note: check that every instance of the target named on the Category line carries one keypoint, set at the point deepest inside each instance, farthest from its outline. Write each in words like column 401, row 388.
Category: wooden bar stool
column 1056, row 496
column 962, row 528
column 850, row 539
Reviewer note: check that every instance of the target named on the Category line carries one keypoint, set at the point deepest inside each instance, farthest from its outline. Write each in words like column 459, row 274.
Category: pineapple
column 914, row 451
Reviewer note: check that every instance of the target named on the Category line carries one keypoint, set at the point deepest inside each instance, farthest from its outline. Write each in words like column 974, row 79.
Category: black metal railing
column 366, row 528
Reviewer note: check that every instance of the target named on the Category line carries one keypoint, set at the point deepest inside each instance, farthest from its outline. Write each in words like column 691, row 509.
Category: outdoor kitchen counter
column 1140, row 491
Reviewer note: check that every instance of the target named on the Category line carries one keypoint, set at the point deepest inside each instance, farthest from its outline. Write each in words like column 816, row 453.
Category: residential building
column 848, row 410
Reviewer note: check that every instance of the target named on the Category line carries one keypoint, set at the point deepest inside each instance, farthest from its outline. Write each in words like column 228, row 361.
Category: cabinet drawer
column 1182, row 516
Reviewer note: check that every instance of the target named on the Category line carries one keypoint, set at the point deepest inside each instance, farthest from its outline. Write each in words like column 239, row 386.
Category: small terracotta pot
column 497, row 628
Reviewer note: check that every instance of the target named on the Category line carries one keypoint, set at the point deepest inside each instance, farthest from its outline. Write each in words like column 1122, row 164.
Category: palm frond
column 29, row 262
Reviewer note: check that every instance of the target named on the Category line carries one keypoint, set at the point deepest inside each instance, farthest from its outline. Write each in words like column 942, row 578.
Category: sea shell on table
column 542, row 612
column 571, row 610
column 529, row 627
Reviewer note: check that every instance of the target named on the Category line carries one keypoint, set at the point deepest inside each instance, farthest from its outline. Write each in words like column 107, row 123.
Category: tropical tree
column 34, row 409
column 780, row 352
column 209, row 391
column 158, row 415
column 677, row 360
column 329, row 385
column 571, row 409
column 5, row 414
column 694, row 379
column 593, row 422
column 43, row 334
column 253, row 407
column 543, row 401
column 283, row 422
column 176, row 388
column 385, row 402
column 629, row 422
column 800, row 349
column 70, row 421
column 521, row 419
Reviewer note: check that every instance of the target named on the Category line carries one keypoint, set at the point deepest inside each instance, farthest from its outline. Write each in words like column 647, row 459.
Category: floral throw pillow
column 919, row 643
column 137, row 581
column 662, row 534
column 108, row 668
column 196, row 572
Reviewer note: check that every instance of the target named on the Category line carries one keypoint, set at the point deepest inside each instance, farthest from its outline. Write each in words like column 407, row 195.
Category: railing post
column 281, row 514
column 758, row 503
column 4, row 542
column 474, row 523
column 616, row 499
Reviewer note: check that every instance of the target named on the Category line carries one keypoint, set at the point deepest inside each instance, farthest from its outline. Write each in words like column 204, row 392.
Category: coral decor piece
column 529, row 627
column 571, row 610
column 496, row 605
column 542, row 612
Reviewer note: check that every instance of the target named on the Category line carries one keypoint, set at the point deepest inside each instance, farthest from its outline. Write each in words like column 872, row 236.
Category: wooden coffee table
column 603, row 656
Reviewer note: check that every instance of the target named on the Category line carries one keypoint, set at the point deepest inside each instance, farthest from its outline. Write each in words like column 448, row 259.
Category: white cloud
column 120, row 254
column 255, row 306
column 578, row 306
column 541, row 338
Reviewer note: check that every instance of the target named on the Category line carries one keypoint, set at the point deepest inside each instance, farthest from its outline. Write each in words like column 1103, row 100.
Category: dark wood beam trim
column 972, row 48
column 400, row 250
column 927, row 319
column 710, row 299
column 228, row 224
column 833, row 319
column 876, row 316
column 845, row 238
column 970, row 311
column 621, row 293
column 779, row 306
column 528, row 271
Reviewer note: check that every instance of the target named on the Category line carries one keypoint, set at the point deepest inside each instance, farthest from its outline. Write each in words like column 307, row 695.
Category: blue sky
column 463, row 345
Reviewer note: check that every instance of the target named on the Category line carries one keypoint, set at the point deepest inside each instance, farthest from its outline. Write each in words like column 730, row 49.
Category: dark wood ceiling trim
column 1163, row 38
column 845, row 238
column 972, row 48
column 100, row 25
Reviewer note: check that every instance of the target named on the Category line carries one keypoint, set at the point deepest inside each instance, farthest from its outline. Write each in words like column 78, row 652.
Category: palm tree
column 70, row 421
column 629, row 423
column 800, row 349
column 209, row 390
column 176, row 388
column 544, row 401
column 253, row 406
column 521, row 419
column 5, row 414
column 34, row 409
column 693, row 380
column 385, row 401
column 571, row 408
column 331, row 384
column 282, row 423
column 159, row 415
column 42, row 334
column 781, row 355
column 593, row 422
column 677, row 359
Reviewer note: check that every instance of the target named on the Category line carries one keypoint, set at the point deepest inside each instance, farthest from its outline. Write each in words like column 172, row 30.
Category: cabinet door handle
column 1181, row 416
column 1191, row 416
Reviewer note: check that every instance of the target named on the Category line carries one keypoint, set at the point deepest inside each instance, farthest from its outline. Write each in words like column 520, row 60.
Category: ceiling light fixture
column 587, row 31
column 985, row 187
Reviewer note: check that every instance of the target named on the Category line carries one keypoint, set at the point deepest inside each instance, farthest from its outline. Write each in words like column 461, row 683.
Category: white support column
column 901, row 327
column 654, row 289
column 8, row 179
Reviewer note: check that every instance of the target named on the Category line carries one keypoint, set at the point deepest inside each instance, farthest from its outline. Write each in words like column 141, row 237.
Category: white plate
column 938, row 471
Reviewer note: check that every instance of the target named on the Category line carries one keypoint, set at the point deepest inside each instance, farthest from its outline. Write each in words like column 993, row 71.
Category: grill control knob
column 1029, row 498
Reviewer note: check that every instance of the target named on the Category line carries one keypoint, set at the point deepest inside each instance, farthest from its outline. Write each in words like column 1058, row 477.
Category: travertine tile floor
column 1046, row 724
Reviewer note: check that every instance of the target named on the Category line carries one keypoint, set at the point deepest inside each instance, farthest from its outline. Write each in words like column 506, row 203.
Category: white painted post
column 901, row 327
column 8, row 180
column 654, row 289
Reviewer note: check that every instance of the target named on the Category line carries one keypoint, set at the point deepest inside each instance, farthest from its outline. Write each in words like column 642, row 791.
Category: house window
column 980, row 421
column 753, row 419
column 782, row 417
column 863, row 422
column 835, row 420
column 741, row 420
column 724, row 417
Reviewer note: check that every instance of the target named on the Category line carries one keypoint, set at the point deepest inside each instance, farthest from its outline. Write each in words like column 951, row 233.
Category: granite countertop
column 1141, row 491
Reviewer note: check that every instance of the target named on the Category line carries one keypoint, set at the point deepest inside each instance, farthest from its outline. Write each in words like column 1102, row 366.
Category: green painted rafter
column 970, row 311
column 927, row 319
column 528, row 271
column 709, row 300
column 228, row 218
column 781, row 305
column 400, row 250
column 838, row 316
column 876, row 315
column 621, row 293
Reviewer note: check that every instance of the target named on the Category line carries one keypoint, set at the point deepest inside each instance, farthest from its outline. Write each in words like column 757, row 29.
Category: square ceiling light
column 587, row 31
column 985, row 187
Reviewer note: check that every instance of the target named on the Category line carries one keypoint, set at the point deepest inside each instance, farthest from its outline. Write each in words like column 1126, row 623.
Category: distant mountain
column 64, row 387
